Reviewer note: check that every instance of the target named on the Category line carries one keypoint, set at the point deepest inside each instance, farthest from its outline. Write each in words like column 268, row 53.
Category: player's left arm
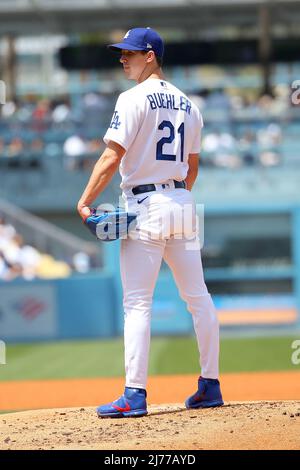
column 193, row 163
column 103, row 171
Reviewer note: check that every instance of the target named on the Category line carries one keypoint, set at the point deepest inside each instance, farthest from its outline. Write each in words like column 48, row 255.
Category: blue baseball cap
column 141, row 39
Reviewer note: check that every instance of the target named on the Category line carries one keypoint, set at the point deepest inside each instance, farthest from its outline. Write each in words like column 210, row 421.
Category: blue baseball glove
column 110, row 225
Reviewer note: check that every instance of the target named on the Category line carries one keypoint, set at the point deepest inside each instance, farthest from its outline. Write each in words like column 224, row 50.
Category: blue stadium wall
column 90, row 306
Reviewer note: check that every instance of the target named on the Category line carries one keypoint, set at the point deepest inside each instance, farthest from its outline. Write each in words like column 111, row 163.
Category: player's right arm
column 193, row 163
column 102, row 174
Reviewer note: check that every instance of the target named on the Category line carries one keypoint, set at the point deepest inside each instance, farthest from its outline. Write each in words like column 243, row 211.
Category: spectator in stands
column 41, row 115
column 36, row 147
column 14, row 271
column 23, row 114
column 269, row 139
column 249, row 158
column 237, row 102
column 229, row 148
column 3, row 267
column 15, row 147
column 30, row 260
column 94, row 149
column 13, row 250
column 247, row 144
column 8, row 271
column 7, row 231
column 210, row 142
column 61, row 114
column 283, row 100
column 81, row 262
column 74, row 148
column 9, row 266
column 25, row 261
column 269, row 158
column 8, row 110
column 221, row 150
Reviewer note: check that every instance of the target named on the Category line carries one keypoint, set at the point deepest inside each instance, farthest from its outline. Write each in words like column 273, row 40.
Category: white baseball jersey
column 159, row 127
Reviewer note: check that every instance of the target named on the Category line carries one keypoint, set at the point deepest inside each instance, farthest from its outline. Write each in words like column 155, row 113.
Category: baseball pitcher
column 154, row 140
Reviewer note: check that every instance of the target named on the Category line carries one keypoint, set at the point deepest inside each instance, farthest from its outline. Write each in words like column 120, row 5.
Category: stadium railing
column 47, row 237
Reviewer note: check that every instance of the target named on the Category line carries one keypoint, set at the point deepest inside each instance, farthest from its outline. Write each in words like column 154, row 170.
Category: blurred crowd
column 240, row 104
column 222, row 149
column 20, row 260
column 239, row 130
column 35, row 127
column 41, row 114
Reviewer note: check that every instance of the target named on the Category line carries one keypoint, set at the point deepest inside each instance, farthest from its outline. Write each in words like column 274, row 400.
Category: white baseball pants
column 141, row 256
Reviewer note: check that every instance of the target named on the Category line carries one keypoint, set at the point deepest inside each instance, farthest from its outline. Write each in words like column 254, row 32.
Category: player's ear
column 150, row 56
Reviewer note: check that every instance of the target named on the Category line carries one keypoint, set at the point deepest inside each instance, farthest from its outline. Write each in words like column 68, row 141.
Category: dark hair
column 159, row 61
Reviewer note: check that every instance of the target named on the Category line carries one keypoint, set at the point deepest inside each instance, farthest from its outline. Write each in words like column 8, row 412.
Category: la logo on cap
column 127, row 34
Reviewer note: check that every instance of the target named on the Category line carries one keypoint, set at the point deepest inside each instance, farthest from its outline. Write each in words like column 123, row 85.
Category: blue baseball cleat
column 208, row 394
column 131, row 404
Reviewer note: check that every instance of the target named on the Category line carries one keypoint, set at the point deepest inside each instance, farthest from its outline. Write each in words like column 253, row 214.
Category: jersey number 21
column 168, row 140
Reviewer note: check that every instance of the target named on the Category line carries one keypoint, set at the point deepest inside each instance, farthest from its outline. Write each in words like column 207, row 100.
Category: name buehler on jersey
column 155, row 123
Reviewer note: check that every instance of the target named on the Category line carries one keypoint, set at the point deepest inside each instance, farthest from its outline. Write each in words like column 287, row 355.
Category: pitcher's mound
column 247, row 425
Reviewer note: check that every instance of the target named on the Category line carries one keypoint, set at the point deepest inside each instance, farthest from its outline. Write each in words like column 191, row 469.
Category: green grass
column 168, row 355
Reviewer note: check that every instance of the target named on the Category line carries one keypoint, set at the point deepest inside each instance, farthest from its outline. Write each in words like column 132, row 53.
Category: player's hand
column 83, row 210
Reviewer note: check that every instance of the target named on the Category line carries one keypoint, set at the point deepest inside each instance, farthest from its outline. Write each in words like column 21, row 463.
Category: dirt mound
column 247, row 425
